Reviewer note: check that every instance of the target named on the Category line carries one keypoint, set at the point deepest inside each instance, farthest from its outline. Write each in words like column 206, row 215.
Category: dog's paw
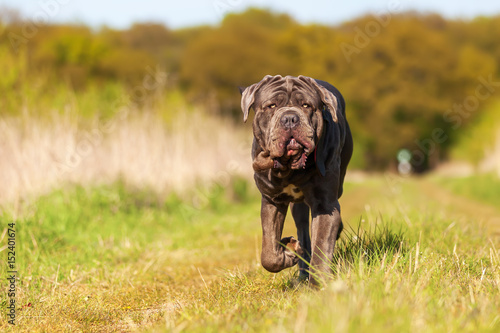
column 292, row 245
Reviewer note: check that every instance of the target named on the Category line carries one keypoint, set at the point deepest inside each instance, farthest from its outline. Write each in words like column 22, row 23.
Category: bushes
column 398, row 82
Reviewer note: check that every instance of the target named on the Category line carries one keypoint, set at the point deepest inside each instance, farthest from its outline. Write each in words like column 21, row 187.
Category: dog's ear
column 327, row 97
column 324, row 118
column 248, row 95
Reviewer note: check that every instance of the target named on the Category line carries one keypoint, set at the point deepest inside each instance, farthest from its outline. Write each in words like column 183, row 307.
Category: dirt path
column 391, row 193
column 461, row 207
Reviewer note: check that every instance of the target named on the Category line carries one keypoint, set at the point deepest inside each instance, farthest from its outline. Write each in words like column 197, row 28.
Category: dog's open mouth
column 293, row 147
column 294, row 157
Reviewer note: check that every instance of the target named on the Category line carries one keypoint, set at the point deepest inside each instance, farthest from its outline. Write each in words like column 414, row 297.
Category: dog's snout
column 289, row 119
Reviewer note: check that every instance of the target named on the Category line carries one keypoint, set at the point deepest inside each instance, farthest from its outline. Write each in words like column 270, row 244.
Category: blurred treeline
column 403, row 76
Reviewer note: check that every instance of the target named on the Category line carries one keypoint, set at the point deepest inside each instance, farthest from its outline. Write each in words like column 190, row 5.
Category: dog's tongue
column 293, row 147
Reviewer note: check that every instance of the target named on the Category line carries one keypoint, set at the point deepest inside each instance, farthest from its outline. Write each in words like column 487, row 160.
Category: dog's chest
column 290, row 193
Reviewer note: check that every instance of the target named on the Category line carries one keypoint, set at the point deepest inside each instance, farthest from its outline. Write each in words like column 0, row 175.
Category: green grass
column 482, row 187
column 113, row 258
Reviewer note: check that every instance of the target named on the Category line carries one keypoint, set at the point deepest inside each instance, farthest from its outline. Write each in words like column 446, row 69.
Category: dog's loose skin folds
column 302, row 145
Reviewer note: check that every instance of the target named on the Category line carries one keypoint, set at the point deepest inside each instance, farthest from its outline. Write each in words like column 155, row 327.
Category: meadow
column 418, row 254
column 127, row 201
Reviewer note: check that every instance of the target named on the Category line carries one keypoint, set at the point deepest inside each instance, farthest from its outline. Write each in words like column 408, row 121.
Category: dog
column 301, row 148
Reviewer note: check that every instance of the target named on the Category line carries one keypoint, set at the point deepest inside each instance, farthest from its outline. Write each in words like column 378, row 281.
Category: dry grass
column 139, row 147
column 124, row 258
column 108, row 259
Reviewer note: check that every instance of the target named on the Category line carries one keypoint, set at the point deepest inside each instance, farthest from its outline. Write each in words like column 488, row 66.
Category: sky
column 184, row 13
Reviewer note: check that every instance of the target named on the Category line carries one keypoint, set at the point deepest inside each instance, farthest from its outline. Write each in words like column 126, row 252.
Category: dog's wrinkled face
column 288, row 118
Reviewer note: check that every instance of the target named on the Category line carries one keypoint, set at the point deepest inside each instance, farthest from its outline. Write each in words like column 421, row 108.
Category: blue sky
column 182, row 13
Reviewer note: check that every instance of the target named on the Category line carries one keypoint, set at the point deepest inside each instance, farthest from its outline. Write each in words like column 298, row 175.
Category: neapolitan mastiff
column 302, row 145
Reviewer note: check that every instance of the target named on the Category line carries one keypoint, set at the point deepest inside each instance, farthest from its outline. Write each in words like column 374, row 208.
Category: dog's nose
column 289, row 119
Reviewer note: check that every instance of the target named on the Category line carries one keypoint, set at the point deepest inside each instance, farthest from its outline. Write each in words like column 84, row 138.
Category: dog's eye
column 271, row 106
column 305, row 105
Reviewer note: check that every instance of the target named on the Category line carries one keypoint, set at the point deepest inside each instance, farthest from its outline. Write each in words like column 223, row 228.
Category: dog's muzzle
column 291, row 139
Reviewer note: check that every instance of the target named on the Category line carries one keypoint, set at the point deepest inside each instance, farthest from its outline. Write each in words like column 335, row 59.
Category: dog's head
column 288, row 119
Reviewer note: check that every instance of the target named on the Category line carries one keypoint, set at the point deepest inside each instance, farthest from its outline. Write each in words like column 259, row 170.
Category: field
column 417, row 255
column 127, row 202
column 142, row 220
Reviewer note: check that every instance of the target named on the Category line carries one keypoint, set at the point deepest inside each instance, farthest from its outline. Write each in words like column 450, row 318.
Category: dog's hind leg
column 300, row 213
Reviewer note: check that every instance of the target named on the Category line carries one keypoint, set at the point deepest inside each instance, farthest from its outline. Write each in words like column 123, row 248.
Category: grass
column 117, row 258
column 80, row 247
column 482, row 187
column 139, row 146
column 174, row 244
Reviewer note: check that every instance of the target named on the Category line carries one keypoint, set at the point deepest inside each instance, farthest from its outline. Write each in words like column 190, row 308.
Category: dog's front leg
column 276, row 256
column 326, row 226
